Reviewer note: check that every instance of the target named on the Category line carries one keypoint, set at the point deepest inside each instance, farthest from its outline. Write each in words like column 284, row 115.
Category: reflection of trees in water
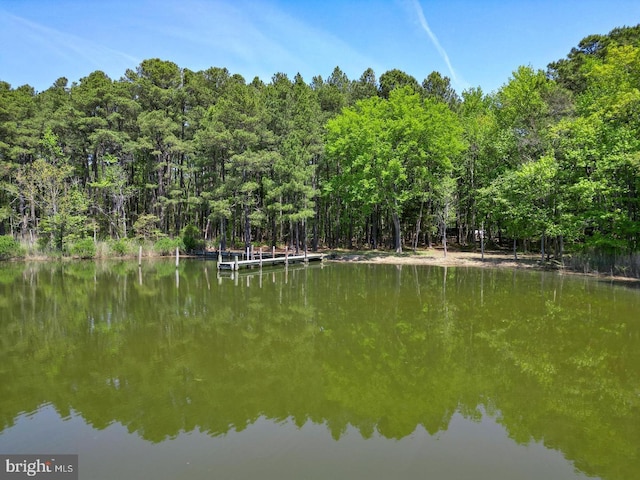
column 381, row 348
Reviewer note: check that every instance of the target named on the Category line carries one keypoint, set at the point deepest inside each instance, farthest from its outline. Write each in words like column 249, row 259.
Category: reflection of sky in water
column 279, row 450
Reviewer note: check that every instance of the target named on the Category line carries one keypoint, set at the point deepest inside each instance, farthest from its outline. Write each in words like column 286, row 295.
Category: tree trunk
column 247, row 227
column 444, row 238
column 375, row 228
column 206, row 230
column 350, row 232
column 415, row 241
column 223, row 236
column 24, row 218
column 314, row 246
column 560, row 252
column 482, row 241
column 397, row 243
column 304, row 236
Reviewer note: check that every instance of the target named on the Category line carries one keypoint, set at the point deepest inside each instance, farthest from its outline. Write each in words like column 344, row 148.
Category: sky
column 476, row 43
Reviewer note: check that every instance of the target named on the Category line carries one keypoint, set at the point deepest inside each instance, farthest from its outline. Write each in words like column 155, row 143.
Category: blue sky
column 476, row 43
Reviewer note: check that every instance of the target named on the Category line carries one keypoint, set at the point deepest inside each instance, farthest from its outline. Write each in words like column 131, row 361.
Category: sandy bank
column 457, row 258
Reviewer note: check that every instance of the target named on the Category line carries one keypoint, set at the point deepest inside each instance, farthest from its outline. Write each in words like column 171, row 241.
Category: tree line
column 551, row 157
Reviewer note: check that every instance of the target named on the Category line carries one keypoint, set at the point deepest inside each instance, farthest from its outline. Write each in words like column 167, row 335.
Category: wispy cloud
column 64, row 45
column 224, row 30
column 258, row 37
column 310, row 45
column 434, row 40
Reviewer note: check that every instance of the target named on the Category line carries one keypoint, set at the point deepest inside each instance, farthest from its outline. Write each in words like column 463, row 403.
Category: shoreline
column 502, row 259
column 458, row 258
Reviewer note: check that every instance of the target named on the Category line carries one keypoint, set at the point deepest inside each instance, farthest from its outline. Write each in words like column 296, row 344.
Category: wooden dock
column 266, row 261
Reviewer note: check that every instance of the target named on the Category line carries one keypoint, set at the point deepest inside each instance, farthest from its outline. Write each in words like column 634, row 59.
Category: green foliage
column 524, row 114
column 120, row 247
column 84, row 248
column 397, row 79
column 438, row 87
column 9, row 248
column 146, row 227
column 48, row 182
column 167, row 246
column 192, row 239
column 393, row 151
column 570, row 73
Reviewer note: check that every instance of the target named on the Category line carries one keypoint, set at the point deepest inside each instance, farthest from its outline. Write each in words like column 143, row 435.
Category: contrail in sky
column 434, row 39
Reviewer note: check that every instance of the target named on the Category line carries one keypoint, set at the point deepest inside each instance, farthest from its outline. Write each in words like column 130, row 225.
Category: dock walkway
column 265, row 261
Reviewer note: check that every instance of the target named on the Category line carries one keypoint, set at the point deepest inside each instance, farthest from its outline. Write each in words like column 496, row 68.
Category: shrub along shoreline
column 620, row 267
column 88, row 248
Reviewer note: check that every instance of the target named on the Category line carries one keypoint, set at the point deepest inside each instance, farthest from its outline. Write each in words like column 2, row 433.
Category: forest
column 549, row 162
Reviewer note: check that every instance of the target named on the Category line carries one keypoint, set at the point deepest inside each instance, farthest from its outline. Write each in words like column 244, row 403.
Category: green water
column 324, row 372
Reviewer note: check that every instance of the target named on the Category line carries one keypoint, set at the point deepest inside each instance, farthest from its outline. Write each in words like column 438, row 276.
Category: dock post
column 140, row 256
column 260, row 257
column 273, row 252
column 235, row 260
column 177, row 256
column 286, row 255
column 306, row 260
column 219, row 256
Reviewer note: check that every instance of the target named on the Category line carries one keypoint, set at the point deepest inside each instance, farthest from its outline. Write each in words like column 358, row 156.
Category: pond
column 333, row 371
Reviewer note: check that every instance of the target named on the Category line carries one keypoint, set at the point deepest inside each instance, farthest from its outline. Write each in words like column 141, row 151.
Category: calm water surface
column 333, row 372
